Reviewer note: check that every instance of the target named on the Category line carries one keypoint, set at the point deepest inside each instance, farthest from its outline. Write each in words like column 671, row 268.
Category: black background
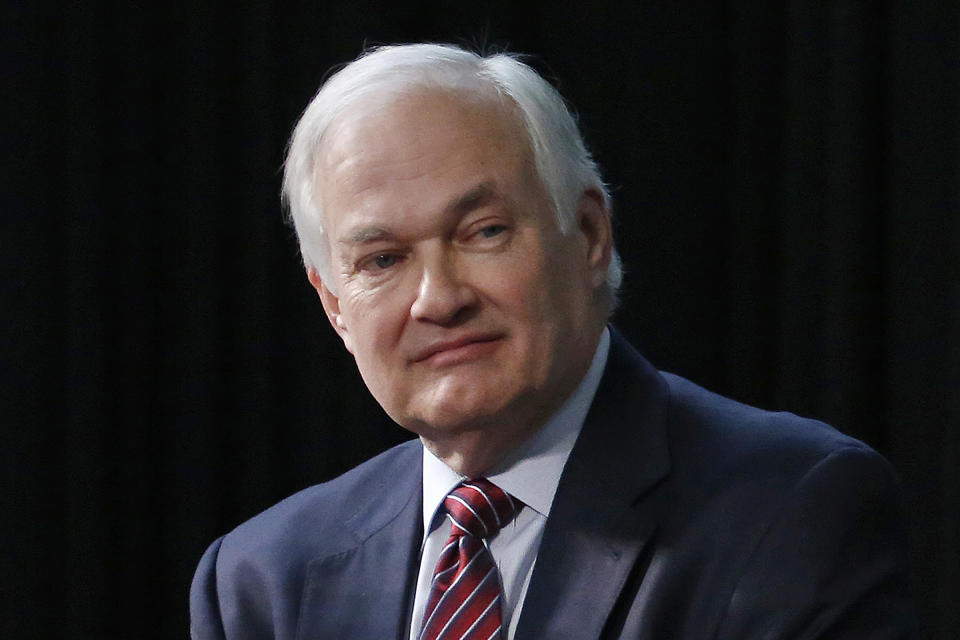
column 787, row 204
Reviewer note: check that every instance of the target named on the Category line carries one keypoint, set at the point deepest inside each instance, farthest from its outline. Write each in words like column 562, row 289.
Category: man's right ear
column 331, row 305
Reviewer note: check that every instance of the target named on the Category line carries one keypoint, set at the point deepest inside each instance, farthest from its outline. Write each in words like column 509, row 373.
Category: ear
column 331, row 305
column 593, row 222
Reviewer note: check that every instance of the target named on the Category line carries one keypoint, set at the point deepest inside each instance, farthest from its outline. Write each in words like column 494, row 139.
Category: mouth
column 460, row 350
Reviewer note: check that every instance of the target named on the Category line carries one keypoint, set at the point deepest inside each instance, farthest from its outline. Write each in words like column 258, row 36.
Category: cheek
column 375, row 323
column 516, row 279
column 531, row 293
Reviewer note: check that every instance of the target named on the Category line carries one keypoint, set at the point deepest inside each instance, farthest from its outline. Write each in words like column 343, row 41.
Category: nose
column 444, row 297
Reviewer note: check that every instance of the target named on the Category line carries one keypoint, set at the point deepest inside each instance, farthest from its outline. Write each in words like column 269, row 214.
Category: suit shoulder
column 740, row 423
column 725, row 441
column 245, row 579
column 336, row 513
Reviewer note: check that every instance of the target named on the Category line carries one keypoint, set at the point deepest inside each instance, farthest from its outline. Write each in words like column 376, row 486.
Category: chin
column 456, row 413
column 467, row 399
column 458, row 418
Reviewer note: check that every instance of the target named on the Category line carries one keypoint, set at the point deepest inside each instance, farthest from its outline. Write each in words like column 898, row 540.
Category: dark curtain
column 786, row 183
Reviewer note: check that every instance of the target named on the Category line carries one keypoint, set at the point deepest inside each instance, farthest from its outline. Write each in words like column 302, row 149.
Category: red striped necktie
column 464, row 601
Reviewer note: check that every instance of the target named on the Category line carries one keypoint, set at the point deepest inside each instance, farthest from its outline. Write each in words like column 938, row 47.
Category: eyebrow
column 363, row 235
column 472, row 199
column 475, row 197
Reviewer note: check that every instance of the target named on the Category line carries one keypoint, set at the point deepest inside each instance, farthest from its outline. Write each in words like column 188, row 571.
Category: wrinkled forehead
column 404, row 115
column 401, row 130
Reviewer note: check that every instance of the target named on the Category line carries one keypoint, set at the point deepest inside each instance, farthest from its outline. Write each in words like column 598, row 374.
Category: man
column 458, row 235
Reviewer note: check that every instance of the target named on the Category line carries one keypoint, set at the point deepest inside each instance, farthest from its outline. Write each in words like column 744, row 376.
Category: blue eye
column 385, row 261
column 492, row 230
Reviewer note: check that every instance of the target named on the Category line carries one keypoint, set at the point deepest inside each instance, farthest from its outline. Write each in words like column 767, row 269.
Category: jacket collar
column 605, row 511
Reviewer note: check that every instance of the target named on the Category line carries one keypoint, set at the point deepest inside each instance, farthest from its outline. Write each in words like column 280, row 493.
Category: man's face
column 464, row 305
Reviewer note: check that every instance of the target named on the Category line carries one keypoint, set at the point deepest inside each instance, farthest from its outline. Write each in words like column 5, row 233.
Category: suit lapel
column 366, row 589
column 605, row 511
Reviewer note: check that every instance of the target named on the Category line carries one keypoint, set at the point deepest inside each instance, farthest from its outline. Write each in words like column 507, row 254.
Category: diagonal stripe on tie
column 486, row 623
column 473, row 512
column 478, row 600
column 487, row 500
column 445, row 579
column 464, row 581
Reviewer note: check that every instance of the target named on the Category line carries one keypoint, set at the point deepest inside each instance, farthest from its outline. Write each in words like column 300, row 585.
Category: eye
column 385, row 260
column 492, row 230
column 378, row 262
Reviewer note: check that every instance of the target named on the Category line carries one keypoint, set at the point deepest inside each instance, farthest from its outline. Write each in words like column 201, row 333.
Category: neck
column 468, row 461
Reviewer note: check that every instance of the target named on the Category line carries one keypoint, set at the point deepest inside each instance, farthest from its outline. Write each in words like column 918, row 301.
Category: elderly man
column 458, row 234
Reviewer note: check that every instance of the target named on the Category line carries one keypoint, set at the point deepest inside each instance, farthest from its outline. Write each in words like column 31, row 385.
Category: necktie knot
column 479, row 507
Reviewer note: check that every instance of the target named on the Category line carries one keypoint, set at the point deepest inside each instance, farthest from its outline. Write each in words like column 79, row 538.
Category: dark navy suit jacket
column 680, row 515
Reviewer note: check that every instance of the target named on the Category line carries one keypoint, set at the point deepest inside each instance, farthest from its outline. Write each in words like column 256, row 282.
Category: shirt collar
column 532, row 472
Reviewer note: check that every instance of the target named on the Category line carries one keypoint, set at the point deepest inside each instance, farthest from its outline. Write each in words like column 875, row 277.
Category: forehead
column 425, row 133
column 414, row 111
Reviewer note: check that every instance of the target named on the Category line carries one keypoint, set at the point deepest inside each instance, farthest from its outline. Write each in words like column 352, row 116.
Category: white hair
column 563, row 163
